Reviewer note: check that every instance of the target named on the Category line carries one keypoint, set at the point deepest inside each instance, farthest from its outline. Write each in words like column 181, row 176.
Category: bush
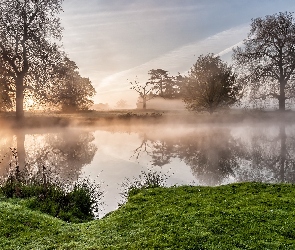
column 150, row 179
column 76, row 203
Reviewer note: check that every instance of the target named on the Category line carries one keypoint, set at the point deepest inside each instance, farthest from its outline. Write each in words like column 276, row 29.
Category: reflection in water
column 20, row 148
column 215, row 156
column 65, row 152
column 6, row 142
column 207, row 155
column 212, row 154
column 270, row 157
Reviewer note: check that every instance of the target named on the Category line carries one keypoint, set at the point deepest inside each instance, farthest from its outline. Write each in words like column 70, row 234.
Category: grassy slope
column 240, row 216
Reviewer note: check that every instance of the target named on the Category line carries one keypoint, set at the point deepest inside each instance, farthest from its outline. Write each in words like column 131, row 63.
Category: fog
column 191, row 150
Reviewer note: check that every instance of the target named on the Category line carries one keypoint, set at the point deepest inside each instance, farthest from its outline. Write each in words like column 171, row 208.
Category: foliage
column 121, row 104
column 72, row 92
column 210, row 85
column 6, row 98
column 28, row 49
column 266, row 59
column 236, row 216
column 166, row 86
column 46, row 193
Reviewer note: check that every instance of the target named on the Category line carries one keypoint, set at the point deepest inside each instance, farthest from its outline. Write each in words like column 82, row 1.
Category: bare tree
column 267, row 59
column 145, row 91
column 210, row 85
column 28, row 29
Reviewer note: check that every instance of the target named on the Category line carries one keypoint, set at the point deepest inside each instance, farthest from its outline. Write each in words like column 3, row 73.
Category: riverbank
column 134, row 116
column 235, row 216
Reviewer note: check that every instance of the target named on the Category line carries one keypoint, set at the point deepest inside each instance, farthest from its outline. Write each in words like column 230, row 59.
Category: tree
column 6, row 96
column 267, row 58
column 121, row 104
column 210, row 85
column 166, row 86
column 72, row 92
column 145, row 91
column 28, row 51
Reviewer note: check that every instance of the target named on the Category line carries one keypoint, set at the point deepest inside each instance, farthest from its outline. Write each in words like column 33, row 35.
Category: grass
column 235, row 216
column 134, row 116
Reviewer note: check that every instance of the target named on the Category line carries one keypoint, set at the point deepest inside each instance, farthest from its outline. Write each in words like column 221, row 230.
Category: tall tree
column 210, row 85
column 267, row 58
column 28, row 31
column 72, row 91
column 166, row 86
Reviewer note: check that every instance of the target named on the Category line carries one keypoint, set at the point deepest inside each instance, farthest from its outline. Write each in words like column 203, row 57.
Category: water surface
column 203, row 154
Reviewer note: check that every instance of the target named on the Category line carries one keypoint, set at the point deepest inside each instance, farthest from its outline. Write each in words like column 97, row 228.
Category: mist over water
column 203, row 154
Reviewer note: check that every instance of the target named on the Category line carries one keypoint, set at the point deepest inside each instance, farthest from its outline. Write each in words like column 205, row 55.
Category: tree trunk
column 19, row 100
column 211, row 108
column 282, row 97
column 283, row 152
column 144, row 102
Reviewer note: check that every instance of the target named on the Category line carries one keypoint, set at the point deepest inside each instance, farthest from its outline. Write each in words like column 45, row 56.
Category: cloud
column 117, row 85
column 229, row 49
column 180, row 59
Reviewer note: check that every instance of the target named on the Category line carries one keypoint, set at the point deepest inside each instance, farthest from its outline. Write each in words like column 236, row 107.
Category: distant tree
column 210, row 85
column 72, row 92
column 166, row 86
column 121, row 104
column 145, row 91
column 28, row 52
column 101, row 106
column 267, row 58
column 178, row 86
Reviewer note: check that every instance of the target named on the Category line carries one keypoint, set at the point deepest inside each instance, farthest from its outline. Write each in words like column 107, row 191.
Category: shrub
column 73, row 203
column 150, row 179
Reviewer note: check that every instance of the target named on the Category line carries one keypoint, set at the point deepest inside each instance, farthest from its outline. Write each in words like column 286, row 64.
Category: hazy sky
column 115, row 40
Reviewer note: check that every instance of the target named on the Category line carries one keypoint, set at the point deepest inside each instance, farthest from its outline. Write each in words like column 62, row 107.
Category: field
column 236, row 216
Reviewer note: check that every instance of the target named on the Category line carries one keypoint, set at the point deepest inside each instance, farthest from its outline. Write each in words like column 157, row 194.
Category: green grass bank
column 235, row 216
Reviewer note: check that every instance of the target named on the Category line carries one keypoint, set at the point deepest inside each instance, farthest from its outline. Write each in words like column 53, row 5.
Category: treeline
column 263, row 70
column 209, row 85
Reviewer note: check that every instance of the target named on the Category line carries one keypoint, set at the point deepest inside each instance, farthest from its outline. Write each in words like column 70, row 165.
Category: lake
column 202, row 154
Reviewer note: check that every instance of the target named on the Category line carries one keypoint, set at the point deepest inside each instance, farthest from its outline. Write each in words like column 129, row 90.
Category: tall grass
column 149, row 179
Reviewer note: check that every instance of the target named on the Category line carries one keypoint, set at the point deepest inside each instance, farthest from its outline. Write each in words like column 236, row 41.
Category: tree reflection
column 215, row 156
column 270, row 157
column 7, row 141
column 163, row 152
column 20, row 148
column 64, row 152
column 212, row 154
column 160, row 150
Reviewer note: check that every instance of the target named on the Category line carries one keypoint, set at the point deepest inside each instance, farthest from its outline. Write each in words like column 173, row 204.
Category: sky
column 114, row 42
